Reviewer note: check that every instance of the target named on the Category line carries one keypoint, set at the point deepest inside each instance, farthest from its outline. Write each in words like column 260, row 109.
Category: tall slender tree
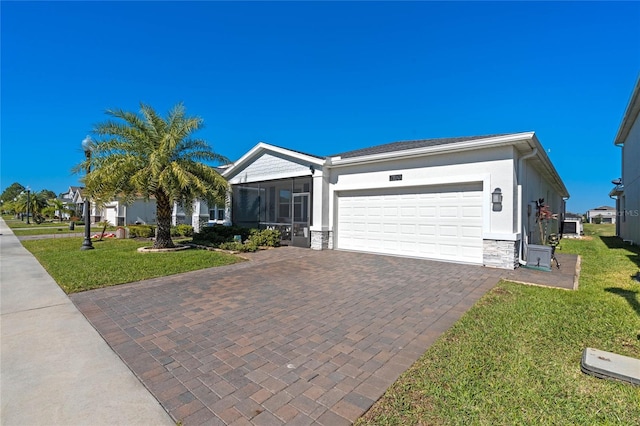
column 146, row 155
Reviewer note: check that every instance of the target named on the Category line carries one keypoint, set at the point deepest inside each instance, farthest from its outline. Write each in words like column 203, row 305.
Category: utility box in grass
column 539, row 257
column 122, row 232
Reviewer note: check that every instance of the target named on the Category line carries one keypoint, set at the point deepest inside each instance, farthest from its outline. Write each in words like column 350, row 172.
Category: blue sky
column 321, row 77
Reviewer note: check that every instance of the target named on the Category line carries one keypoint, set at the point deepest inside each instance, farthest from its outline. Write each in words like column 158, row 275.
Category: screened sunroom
column 283, row 204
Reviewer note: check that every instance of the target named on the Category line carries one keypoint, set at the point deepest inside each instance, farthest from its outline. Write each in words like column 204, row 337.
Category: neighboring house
column 141, row 211
column 200, row 214
column 74, row 201
column 627, row 190
column 469, row 200
column 602, row 214
column 118, row 213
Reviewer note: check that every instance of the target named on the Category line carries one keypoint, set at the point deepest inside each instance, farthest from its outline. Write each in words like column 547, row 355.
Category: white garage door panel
column 442, row 222
column 111, row 215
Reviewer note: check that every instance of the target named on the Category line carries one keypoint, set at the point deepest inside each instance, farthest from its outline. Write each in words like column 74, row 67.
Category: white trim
column 440, row 180
column 237, row 180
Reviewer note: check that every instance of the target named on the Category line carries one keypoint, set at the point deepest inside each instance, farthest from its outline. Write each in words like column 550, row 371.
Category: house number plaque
column 395, row 177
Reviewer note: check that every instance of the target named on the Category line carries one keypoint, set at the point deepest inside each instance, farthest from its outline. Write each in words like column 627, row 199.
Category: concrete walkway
column 55, row 369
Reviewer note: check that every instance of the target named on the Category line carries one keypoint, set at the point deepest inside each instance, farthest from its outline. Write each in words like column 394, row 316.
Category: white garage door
column 443, row 222
column 111, row 215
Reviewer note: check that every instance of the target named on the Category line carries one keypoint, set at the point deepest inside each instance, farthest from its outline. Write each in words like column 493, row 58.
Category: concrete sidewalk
column 55, row 369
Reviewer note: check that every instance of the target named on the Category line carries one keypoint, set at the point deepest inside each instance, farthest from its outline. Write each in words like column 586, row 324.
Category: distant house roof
column 604, row 208
column 405, row 145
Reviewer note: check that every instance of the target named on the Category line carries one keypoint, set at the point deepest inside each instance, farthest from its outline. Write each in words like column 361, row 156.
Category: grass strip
column 49, row 231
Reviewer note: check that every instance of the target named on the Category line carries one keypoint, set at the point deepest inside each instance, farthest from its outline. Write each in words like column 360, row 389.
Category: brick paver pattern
column 293, row 336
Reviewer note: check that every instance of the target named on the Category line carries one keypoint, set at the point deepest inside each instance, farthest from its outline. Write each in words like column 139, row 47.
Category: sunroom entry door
column 300, row 233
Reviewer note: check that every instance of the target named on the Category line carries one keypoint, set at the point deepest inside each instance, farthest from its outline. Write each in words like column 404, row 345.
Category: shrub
column 248, row 246
column 266, row 237
column 182, row 230
column 141, row 231
column 218, row 234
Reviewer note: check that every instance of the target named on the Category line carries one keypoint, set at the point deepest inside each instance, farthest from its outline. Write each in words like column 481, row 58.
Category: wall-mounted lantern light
column 312, row 169
column 496, row 199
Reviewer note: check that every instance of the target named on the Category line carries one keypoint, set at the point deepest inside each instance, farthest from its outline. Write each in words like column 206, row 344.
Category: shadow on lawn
column 617, row 243
column 614, row 242
column 630, row 296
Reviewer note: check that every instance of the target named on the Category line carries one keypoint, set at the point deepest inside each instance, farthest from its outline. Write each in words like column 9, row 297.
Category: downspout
column 520, row 227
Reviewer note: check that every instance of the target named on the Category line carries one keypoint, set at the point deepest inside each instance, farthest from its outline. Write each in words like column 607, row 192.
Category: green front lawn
column 514, row 358
column 115, row 261
column 20, row 228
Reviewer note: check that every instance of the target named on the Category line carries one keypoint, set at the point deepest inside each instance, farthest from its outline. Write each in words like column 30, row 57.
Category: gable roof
column 263, row 147
column 319, row 157
column 412, row 144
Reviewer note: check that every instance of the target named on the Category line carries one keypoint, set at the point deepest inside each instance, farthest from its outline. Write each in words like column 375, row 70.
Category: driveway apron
column 293, row 336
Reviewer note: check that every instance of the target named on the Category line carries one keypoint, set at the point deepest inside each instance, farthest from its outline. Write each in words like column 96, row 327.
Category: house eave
column 337, row 161
column 616, row 191
column 630, row 116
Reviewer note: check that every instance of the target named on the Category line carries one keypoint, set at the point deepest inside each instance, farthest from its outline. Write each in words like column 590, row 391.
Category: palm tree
column 153, row 157
column 36, row 200
column 59, row 207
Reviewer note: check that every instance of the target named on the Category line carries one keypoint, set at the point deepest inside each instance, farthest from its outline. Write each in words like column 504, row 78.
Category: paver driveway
column 294, row 336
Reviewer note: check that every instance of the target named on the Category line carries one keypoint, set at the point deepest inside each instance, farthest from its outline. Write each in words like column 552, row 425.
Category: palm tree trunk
column 164, row 210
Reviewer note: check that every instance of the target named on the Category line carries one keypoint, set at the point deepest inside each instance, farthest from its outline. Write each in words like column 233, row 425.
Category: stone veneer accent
column 322, row 240
column 500, row 254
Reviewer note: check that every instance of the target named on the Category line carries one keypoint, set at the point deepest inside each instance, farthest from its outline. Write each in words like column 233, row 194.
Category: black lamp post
column 87, row 144
column 28, row 204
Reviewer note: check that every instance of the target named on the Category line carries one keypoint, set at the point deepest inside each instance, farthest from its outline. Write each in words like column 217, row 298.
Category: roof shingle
column 405, row 145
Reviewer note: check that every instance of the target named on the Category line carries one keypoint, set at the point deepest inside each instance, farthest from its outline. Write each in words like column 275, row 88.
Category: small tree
column 104, row 224
column 59, row 207
column 145, row 155
column 598, row 219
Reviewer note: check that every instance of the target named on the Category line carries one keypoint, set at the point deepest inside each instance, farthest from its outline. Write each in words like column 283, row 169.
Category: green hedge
column 218, row 234
column 182, row 231
column 247, row 246
column 141, row 231
column 265, row 238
